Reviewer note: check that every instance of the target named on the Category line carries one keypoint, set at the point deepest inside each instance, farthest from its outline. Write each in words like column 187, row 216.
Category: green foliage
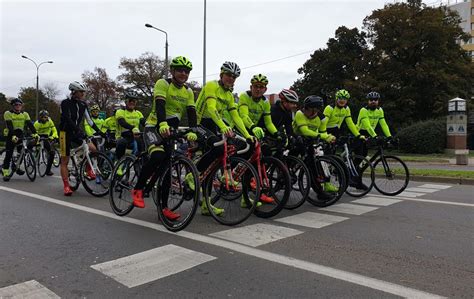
column 407, row 52
column 425, row 137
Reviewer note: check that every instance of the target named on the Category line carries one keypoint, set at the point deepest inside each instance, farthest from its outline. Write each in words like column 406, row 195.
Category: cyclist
column 110, row 126
column 99, row 122
column 282, row 110
column 16, row 120
column 45, row 128
column 216, row 97
column 73, row 111
column 254, row 109
column 128, row 123
column 341, row 113
column 372, row 115
column 171, row 98
column 311, row 122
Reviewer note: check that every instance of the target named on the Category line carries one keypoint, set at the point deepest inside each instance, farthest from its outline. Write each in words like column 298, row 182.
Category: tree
column 28, row 95
column 51, row 91
column 341, row 65
column 102, row 89
column 416, row 60
column 142, row 72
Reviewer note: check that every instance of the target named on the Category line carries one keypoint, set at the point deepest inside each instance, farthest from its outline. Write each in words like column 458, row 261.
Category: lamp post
column 204, row 49
column 166, row 47
column 37, row 79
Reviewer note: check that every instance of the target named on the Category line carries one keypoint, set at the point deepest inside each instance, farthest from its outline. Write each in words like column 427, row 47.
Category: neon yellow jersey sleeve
column 383, row 124
column 54, row 131
column 239, row 124
column 301, row 125
column 267, row 118
column 363, row 122
column 244, row 110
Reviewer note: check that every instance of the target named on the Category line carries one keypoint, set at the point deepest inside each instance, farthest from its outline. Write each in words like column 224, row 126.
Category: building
column 465, row 9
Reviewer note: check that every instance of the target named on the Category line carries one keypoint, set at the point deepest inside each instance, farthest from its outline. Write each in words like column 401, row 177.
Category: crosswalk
column 154, row 264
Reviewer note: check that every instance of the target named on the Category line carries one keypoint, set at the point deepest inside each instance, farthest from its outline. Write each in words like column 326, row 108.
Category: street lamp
column 166, row 47
column 37, row 79
column 204, row 49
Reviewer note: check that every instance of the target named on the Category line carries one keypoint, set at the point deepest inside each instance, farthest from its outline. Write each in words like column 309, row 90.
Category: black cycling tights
column 154, row 164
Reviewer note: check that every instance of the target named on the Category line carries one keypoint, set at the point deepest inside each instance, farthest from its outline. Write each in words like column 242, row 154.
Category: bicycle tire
column 2, row 157
column 103, row 175
column 300, row 181
column 73, row 174
column 30, row 165
column 243, row 200
column 389, row 177
column 42, row 162
column 187, row 200
column 337, row 179
column 122, row 184
column 367, row 179
column 279, row 187
column 56, row 158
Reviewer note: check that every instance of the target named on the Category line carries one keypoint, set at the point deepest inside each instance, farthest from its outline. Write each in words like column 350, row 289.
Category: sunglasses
column 231, row 75
column 373, row 100
column 183, row 70
column 17, row 104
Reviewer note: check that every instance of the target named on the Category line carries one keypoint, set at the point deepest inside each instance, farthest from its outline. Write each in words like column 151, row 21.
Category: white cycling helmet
column 230, row 67
column 289, row 95
column 77, row 86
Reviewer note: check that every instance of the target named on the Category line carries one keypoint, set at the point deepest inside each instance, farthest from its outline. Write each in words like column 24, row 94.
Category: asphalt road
column 418, row 244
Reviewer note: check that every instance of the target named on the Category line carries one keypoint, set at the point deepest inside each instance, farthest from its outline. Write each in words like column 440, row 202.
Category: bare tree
column 51, row 91
column 103, row 90
column 142, row 73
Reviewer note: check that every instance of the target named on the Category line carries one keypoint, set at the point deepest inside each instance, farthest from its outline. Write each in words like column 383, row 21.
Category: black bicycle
column 167, row 187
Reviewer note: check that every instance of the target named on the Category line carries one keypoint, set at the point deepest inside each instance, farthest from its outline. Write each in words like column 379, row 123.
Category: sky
column 274, row 38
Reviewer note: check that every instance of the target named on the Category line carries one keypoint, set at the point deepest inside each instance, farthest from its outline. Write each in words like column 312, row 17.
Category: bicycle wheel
column 73, row 173
column 362, row 176
column 30, row 165
column 300, row 182
column 42, row 162
column 171, row 191
column 230, row 189
column 275, row 187
column 57, row 158
column 124, row 178
column 98, row 185
column 391, row 175
column 2, row 156
column 327, row 182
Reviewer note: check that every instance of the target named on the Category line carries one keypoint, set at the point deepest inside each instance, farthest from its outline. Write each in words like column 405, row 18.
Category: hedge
column 426, row 137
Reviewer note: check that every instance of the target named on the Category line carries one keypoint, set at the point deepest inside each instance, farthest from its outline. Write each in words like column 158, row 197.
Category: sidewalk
column 451, row 165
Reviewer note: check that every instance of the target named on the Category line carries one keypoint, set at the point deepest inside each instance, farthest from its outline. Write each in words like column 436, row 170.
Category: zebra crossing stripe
column 313, row 220
column 376, row 201
column 148, row 266
column 435, row 186
column 410, row 194
column 27, row 290
column 256, row 234
column 347, row 208
column 421, row 190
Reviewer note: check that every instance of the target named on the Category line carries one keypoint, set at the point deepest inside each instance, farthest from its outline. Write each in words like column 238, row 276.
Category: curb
column 438, row 179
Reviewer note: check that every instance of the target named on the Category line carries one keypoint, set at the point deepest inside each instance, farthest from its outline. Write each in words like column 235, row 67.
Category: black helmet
column 313, row 102
column 16, row 100
column 373, row 95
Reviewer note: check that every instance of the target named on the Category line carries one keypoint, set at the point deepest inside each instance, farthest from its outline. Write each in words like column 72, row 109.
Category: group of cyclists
column 214, row 114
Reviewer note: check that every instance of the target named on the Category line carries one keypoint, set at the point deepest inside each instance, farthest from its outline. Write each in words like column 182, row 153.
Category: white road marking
column 256, row 234
column 358, row 279
column 313, row 220
column 347, row 208
column 411, row 194
column 376, row 201
column 421, row 190
column 452, row 203
column 435, row 186
column 27, row 290
column 150, row 265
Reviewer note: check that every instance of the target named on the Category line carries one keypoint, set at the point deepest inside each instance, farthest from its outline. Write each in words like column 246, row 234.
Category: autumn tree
column 142, row 72
column 102, row 90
